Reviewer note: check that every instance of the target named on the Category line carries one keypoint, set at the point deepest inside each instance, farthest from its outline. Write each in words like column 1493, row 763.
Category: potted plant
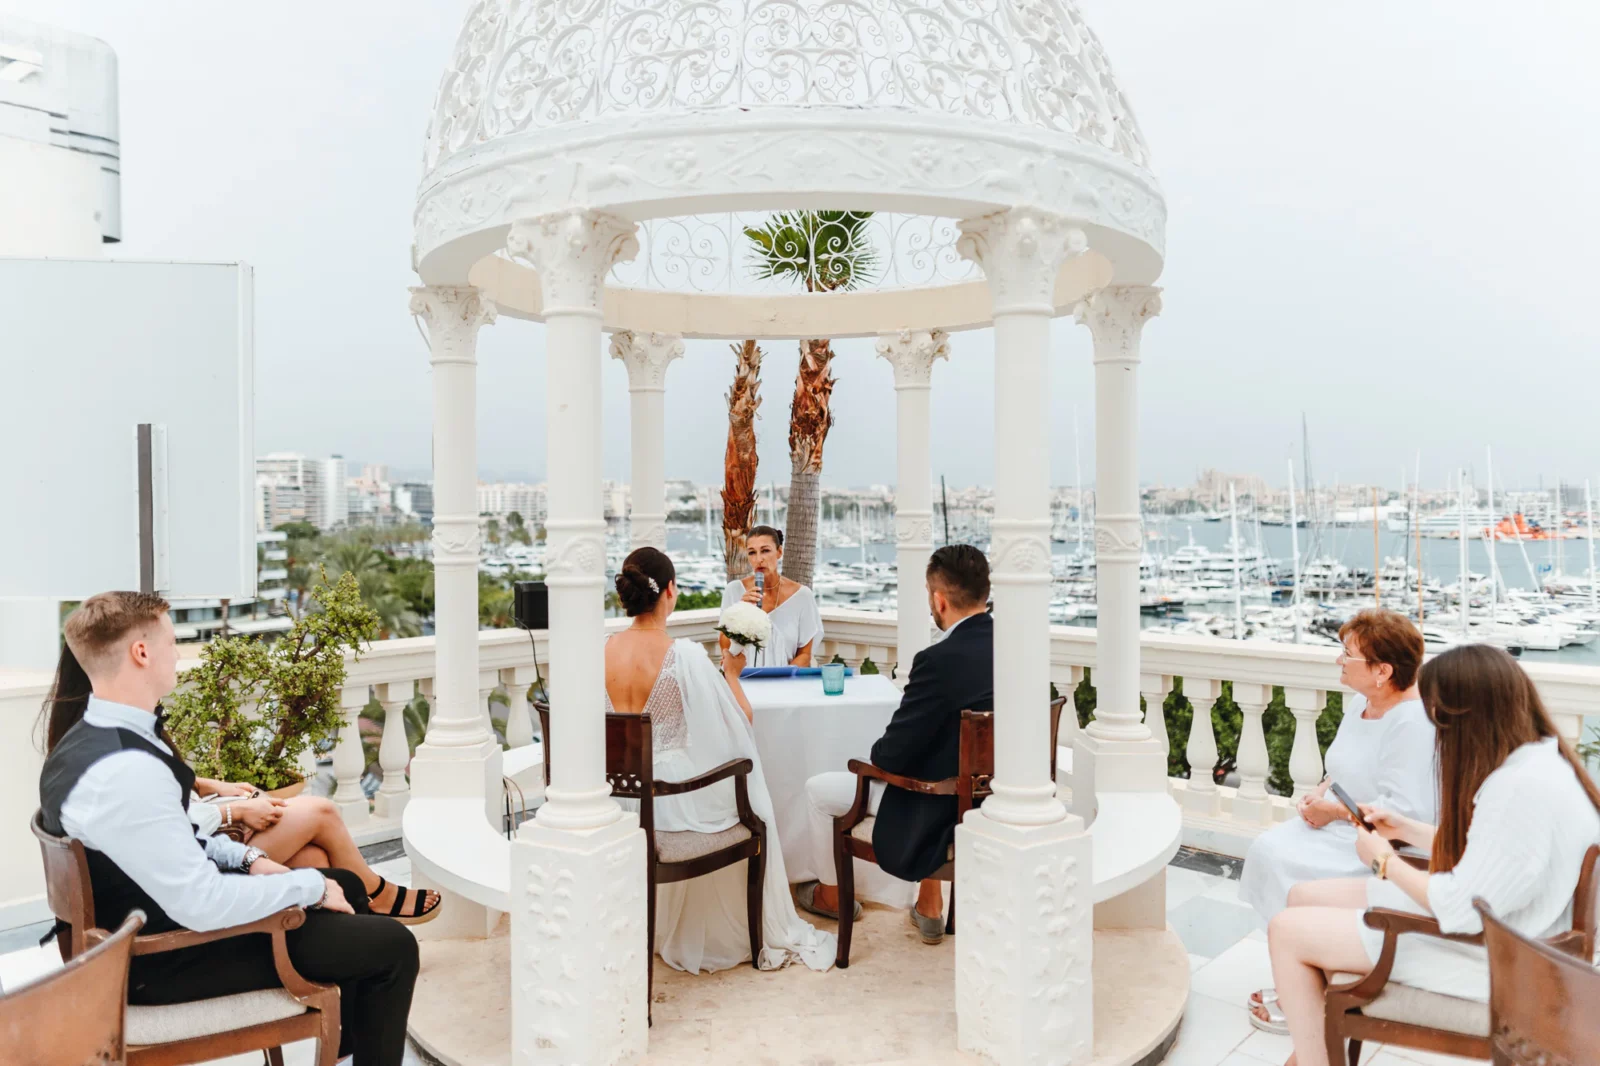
column 250, row 710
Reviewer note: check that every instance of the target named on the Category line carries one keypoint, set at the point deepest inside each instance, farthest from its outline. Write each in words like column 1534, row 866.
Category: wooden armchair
column 1544, row 1004
column 852, row 831
column 681, row 856
column 205, row 1029
column 1373, row 1008
column 75, row 1015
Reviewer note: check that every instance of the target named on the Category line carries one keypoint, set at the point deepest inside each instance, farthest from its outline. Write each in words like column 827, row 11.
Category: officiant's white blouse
column 796, row 622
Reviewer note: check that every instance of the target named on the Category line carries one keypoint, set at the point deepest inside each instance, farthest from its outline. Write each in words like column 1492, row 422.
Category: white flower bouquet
column 745, row 623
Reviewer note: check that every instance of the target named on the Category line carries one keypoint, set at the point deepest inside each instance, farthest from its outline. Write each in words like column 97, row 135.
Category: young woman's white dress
column 1532, row 822
column 701, row 925
column 1388, row 761
column 796, row 622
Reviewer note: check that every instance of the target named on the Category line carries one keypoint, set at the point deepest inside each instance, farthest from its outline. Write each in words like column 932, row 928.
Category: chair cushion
column 1414, row 1006
column 682, row 847
column 203, row 1017
column 863, row 832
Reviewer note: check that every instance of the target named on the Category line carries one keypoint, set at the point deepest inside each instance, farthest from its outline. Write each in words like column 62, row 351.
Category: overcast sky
column 1382, row 213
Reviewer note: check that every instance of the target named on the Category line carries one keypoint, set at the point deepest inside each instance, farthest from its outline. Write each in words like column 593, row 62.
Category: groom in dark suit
column 913, row 832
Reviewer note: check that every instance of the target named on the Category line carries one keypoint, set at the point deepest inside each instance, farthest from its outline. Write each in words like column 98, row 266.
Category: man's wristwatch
column 1380, row 866
column 251, row 854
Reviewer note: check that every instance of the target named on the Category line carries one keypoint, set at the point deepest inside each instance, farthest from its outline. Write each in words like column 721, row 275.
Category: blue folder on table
column 788, row 671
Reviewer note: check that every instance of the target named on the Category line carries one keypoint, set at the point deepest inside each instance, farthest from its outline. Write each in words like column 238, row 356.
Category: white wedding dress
column 701, row 925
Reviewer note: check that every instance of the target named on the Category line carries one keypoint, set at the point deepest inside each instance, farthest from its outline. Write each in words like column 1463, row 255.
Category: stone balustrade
column 1217, row 817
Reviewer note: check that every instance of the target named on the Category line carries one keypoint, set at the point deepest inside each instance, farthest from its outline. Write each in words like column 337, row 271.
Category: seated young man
column 111, row 783
column 913, row 832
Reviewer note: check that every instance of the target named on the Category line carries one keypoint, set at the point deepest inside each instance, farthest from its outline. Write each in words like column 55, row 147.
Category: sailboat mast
column 1594, row 578
column 1462, row 535
column 861, row 528
column 1490, row 531
column 708, row 521
column 1557, row 531
column 1077, row 479
column 1416, row 529
column 1238, row 593
column 1294, row 550
column 1377, row 568
column 944, row 505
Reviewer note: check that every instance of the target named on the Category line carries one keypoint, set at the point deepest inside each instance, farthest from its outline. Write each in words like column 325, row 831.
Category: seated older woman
column 1382, row 755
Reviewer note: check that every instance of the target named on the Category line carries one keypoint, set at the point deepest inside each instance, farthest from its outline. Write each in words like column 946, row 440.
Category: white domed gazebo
column 590, row 165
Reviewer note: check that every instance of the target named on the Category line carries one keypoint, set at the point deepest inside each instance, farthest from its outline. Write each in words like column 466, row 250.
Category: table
column 801, row 733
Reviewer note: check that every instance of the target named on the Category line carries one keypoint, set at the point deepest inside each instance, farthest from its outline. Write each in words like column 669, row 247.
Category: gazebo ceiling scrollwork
column 701, row 118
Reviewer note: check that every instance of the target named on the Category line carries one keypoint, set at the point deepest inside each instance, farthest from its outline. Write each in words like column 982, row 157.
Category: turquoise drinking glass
column 833, row 679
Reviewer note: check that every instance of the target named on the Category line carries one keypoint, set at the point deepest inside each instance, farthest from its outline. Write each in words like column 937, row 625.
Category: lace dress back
column 664, row 705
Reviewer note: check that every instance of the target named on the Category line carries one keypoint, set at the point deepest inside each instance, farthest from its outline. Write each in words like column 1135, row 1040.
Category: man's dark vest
column 115, row 893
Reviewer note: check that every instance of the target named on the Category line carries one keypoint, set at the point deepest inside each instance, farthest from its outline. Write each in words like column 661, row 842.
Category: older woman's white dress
column 1388, row 761
column 796, row 622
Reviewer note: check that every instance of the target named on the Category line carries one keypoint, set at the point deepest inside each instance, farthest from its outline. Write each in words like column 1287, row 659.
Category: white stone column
column 1118, row 752
column 1023, row 864
column 646, row 356
column 459, row 757
column 911, row 353
column 578, row 951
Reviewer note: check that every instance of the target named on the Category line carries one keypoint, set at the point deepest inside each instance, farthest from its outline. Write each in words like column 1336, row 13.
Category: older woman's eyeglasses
column 1346, row 656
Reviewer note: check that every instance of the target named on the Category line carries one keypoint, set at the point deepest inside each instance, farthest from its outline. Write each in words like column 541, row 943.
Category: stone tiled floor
column 1227, row 951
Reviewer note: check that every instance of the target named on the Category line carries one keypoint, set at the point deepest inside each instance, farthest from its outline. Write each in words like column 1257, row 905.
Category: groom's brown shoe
column 930, row 929
column 805, row 894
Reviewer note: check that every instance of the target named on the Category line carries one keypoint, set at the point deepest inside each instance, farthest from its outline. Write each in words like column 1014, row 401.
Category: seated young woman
column 1383, row 755
column 1517, row 812
column 304, row 831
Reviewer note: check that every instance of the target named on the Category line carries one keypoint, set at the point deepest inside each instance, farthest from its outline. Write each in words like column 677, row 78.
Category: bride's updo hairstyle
column 645, row 575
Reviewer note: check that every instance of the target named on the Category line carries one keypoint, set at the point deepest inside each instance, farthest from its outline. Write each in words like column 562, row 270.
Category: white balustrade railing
column 1221, row 817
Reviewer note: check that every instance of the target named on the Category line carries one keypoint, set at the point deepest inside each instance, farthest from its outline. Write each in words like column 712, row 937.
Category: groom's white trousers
column 828, row 796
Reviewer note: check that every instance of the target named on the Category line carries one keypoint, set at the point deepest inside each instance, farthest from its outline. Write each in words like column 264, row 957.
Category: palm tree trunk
column 809, row 421
column 739, row 461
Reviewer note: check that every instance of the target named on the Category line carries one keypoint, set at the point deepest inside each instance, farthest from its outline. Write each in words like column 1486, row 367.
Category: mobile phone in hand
column 1350, row 804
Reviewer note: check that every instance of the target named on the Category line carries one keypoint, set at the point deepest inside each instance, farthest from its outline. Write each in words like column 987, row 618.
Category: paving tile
column 19, row 967
column 1197, row 961
column 1234, row 974
column 1210, row 1032
column 1211, row 926
column 1268, row 1047
column 1184, row 885
column 1404, row 1056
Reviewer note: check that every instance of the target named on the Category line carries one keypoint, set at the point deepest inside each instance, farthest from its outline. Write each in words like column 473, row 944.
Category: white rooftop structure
column 58, row 100
column 593, row 166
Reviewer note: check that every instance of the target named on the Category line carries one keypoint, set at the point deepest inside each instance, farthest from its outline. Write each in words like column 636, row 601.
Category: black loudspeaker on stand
column 530, row 605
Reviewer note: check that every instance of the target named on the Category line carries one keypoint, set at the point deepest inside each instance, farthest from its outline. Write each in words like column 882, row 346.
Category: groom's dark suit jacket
column 913, row 832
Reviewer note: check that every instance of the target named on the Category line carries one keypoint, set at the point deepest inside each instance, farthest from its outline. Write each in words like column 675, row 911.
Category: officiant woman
column 796, row 624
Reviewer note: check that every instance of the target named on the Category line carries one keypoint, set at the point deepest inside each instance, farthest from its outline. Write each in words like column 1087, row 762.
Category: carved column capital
column 646, row 356
column 573, row 252
column 1116, row 316
column 455, row 540
column 453, row 314
column 1020, row 550
column 911, row 352
column 1021, row 252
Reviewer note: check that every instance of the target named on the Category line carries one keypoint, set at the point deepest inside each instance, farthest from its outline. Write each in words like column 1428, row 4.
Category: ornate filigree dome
column 696, row 114
column 522, row 65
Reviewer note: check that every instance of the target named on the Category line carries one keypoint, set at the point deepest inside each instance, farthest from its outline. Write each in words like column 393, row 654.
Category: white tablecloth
column 800, row 733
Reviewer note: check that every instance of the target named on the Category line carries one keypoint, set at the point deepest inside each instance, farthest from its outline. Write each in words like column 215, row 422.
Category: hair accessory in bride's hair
column 653, row 586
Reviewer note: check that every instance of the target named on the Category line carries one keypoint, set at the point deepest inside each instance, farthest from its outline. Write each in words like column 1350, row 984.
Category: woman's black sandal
column 397, row 911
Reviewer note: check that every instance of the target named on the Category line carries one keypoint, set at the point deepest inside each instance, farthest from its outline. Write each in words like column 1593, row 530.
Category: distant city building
column 60, row 148
column 197, row 621
column 293, row 488
column 504, row 498
column 414, row 499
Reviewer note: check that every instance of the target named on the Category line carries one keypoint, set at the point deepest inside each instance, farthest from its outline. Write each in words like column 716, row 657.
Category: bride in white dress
column 698, row 721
